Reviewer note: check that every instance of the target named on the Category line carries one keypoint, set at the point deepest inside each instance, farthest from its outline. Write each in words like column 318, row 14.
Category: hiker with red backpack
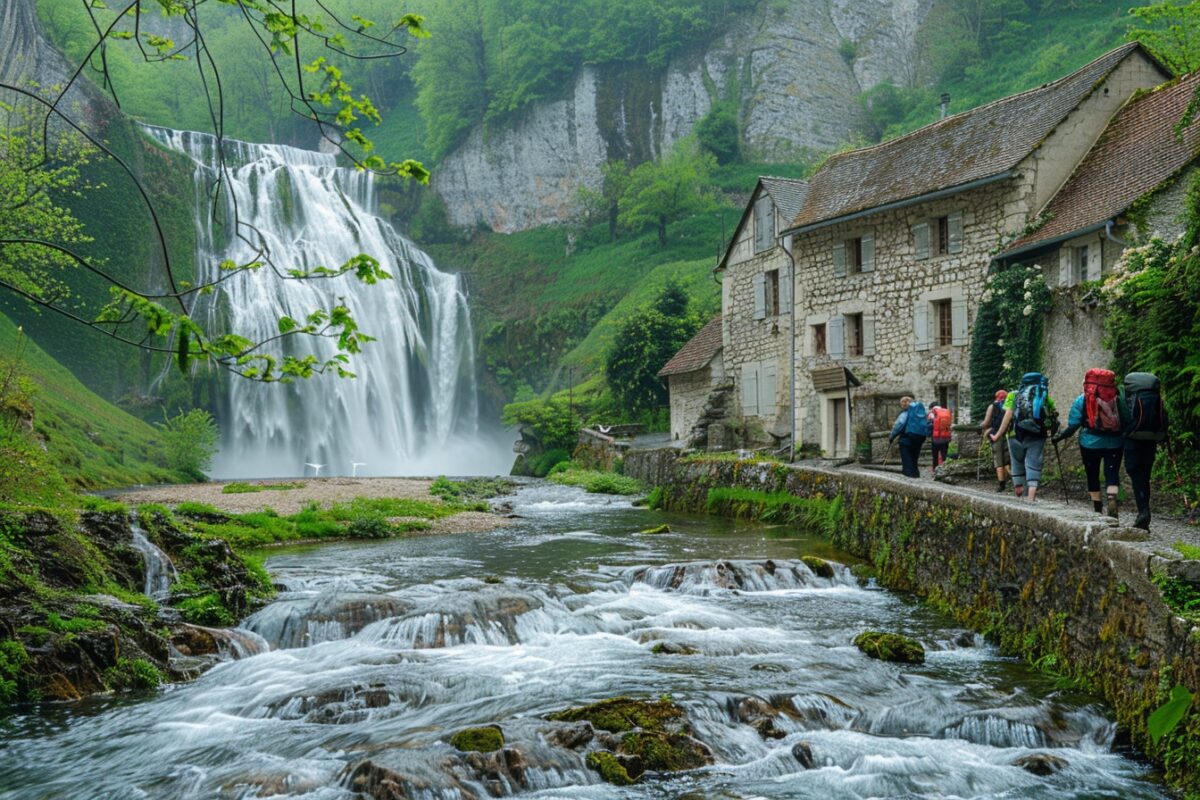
column 1096, row 414
column 941, row 423
column 1144, row 421
column 1030, row 412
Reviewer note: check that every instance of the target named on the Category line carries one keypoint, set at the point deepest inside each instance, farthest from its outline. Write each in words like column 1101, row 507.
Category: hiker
column 1145, row 425
column 1030, row 411
column 941, row 421
column 911, row 428
column 1096, row 415
column 991, row 424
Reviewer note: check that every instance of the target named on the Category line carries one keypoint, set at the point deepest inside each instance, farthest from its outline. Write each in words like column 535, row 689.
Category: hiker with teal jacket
column 1096, row 415
column 1031, row 413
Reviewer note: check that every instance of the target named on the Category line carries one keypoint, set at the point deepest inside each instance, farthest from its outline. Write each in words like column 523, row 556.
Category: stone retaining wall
column 1058, row 589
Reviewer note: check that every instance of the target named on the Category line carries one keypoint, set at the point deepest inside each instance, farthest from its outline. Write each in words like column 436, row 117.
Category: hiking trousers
column 1027, row 460
column 1139, row 461
column 910, row 451
column 1092, row 458
column 940, row 450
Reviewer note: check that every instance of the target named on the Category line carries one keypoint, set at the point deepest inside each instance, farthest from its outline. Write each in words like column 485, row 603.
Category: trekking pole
column 889, row 451
column 983, row 440
column 1061, row 476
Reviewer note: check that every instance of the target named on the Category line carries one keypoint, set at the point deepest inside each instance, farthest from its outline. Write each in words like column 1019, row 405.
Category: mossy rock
column 478, row 740
column 672, row 649
column 623, row 714
column 819, row 566
column 657, row 529
column 890, row 647
column 864, row 573
column 665, row 752
column 610, row 768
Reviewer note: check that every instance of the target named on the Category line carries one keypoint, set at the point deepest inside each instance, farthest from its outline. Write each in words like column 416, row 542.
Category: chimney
column 945, row 104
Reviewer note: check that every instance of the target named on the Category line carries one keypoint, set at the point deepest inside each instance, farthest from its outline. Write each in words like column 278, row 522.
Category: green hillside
column 92, row 443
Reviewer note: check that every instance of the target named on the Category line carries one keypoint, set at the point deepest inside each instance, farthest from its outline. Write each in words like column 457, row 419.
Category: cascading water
column 160, row 570
column 413, row 407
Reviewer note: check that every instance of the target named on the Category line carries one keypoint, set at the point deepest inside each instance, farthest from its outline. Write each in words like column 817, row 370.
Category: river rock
column 1041, row 764
column 802, row 752
column 304, row 621
column 890, row 647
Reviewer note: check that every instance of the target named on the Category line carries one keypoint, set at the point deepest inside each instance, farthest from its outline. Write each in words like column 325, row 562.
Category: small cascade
column 745, row 576
column 306, row 621
column 160, row 570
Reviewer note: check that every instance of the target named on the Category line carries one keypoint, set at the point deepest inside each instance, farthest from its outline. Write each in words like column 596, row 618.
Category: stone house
column 756, row 292
column 692, row 374
column 1130, row 187
column 894, row 241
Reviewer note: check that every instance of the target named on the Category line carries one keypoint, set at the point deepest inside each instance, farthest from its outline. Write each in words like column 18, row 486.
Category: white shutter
column 839, row 259
column 760, row 296
column 749, row 390
column 868, row 334
column 921, row 241
column 1065, row 255
column 958, row 323
column 921, row 325
column 1095, row 257
column 955, row 223
column 835, row 337
column 868, row 252
column 785, row 290
column 762, row 225
column 766, row 390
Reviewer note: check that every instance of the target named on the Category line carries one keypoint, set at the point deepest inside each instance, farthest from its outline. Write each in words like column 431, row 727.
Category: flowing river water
column 382, row 650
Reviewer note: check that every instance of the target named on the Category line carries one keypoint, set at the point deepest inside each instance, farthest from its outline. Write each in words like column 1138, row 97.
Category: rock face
column 795, row 70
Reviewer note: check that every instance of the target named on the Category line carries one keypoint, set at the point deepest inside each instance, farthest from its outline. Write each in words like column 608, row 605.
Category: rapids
column 382, row 650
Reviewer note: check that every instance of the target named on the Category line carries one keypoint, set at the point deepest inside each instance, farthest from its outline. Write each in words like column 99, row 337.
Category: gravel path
column 326, row 491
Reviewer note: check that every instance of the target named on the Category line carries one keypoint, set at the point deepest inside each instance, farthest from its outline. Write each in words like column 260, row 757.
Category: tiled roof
column 788, row 194
column 981, row 143
column 1135, row 154
column 697, row 352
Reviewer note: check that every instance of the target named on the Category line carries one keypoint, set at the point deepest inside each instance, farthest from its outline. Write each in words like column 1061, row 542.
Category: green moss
column 622, row 714
column 656, row 500
column 664, row 752
column 478, row 740
column 610, row 768
column 819, row 566
column 207, row 609
column 130, row 674
column 1188, row 551
column 13, row 659
column 471, row 490
column 1182, row 597
column 890, row 647
column 664, row 528
column 568, row 473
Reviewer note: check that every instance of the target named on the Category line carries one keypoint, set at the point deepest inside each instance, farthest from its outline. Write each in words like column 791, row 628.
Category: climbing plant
column 1007, row 341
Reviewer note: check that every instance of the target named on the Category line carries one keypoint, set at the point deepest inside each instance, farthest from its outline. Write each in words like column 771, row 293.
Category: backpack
column 917, row 423
column 1143, row 399
column 1100, row 409
column 997, row 416
column 942, row 420
column 1029, row 409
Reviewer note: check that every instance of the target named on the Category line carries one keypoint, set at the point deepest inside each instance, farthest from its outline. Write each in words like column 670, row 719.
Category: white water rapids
column 382, row 650
column 413, row 407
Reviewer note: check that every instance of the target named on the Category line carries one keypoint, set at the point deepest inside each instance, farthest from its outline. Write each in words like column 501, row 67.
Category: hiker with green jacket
column 1096, row 415
column 1030, row 412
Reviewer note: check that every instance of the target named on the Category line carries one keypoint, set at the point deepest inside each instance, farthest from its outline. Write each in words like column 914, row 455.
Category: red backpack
column 942, row 421
column 1100, row 401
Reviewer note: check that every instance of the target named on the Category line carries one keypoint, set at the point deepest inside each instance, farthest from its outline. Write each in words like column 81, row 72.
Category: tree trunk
column 662, row 230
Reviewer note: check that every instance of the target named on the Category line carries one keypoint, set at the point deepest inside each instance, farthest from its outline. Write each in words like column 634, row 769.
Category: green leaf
column 1170, row 713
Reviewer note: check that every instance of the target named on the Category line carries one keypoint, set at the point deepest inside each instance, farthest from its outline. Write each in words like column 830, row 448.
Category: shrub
column 370, row 527
column 132, row 674
column 187, row 442
column 13, row 659
column 207, row 609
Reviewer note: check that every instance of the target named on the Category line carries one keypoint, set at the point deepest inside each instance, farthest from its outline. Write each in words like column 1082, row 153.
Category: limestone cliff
column 794, row 67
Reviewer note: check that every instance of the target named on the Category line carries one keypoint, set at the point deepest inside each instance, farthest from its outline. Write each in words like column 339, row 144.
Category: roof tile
column 697, row 352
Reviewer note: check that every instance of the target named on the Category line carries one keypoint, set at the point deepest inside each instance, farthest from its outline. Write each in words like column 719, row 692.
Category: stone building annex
column 844, row 292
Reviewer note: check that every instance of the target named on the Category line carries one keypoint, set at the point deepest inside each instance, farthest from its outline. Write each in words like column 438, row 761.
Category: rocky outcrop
column 795, row 71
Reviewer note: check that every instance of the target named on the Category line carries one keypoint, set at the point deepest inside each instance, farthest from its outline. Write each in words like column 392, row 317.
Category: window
column 938, row 236
column 942, row 226
column 819, row 348
column 854, row 335
column 772, row 292
column 1080, row 262
column 947, row 394
column 943, row 315
column 854, row 256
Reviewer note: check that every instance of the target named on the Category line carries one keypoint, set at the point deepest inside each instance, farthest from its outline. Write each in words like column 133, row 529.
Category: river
column 385, row 649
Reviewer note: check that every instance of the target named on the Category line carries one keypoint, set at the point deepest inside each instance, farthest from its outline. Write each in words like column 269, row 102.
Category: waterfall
column 160, row 570
column 413, row 405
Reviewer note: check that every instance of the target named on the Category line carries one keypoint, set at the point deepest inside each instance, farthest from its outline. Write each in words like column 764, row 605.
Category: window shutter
column 839, row 259
column 759, row 225
column 921, row 241
column 868, row 334
column 785, row 290
column 766, row 389
column 768, row 222
column 955, row 223
column 1095, row 256
column 868, row 252
column 760, row 296
column 835, row 338
column 749, row 390
column 958, row 323
column 921, row 325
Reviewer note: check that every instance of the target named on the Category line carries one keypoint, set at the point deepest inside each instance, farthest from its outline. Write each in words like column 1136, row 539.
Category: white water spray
column 413, row 404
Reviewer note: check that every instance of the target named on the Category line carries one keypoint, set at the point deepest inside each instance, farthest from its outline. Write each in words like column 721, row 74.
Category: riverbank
column 1059, row 586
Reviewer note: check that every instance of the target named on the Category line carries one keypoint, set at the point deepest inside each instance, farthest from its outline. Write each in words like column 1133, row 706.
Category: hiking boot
column 1001, row 486
column 1097, row 506
column 1112, row 509
column 1143, row 520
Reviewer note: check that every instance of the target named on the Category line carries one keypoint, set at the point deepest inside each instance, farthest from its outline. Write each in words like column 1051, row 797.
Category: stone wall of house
column 888, row 297
column 783, row 63
column 689, row 391
column 748, row 342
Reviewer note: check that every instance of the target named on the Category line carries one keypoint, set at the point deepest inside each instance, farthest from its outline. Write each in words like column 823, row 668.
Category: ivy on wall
column 1007, row 341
